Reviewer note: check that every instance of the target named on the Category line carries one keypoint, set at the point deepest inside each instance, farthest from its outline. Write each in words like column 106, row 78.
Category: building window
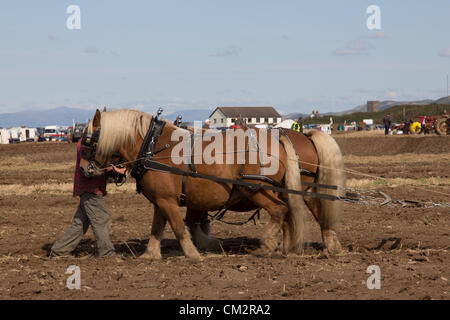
column 221, row 120
column 266, row 120
column 215, row 120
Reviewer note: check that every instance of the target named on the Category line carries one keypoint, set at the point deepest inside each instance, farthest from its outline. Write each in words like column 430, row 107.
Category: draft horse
column 320, row 162
column 124, row 131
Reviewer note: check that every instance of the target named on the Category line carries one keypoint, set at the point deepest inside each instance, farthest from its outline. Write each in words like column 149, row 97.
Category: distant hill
column 41, row 118
column 395, row 111
column 384, row 105
column 294, row 116
column 444, row 100
column 65, row 116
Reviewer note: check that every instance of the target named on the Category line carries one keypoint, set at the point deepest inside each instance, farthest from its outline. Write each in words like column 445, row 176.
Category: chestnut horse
column 317, row 153
column 123, row 131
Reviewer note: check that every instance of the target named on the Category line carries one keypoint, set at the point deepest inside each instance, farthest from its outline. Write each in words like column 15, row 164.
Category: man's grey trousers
column 91, row 211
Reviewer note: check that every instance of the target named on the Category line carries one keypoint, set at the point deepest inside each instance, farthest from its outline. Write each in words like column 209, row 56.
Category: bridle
column 89, row 143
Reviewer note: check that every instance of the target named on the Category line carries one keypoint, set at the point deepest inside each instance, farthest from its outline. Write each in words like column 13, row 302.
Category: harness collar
column 90, row 142
column 147, row 150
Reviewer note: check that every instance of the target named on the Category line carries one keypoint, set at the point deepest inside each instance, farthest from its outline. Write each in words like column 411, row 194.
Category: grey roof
column 248, row 112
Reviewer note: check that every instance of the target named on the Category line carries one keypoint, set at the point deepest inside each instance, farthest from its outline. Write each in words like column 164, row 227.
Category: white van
column 55, row 133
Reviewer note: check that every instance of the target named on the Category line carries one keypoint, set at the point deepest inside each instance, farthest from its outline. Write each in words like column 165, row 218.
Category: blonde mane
column 119, row 129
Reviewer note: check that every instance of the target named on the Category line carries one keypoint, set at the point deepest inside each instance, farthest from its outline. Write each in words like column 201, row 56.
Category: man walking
column 408, row 122
column 387, row 123
column 92, row 210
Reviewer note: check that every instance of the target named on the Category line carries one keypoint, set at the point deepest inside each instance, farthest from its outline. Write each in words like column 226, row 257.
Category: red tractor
column 428, row 124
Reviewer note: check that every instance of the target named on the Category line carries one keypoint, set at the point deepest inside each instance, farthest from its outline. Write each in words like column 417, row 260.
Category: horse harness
column 90, row 142
column 148, row 150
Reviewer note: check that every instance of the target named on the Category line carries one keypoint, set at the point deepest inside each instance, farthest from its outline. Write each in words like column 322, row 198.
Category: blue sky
column 294, row 55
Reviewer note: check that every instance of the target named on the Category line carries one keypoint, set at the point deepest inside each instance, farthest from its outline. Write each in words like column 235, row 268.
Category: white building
column 5, row 135
column 227, row 116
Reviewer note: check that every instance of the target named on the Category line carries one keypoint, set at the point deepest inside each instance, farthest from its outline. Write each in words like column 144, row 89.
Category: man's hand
column 113, row 168
column 116, row 174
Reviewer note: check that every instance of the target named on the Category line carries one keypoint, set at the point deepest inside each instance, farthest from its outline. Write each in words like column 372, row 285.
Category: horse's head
column 89, row 164
column 99, row 147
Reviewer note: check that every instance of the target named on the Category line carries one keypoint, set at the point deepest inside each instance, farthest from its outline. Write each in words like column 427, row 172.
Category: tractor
column 428, row 124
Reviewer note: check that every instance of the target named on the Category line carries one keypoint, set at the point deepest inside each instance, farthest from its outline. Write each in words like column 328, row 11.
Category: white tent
column 15, row 134
column 286, row 124
column 28, row 134
column 5, row 135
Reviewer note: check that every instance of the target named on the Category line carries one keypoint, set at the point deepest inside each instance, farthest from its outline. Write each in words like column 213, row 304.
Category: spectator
column 408, row 122
column 445, row 114
column 298, row 125
column 387, row 123
column 207, row 124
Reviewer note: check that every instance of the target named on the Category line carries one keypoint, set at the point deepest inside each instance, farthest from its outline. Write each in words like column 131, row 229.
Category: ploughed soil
column 409, row 243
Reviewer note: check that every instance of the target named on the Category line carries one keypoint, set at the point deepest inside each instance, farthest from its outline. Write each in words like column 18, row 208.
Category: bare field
column 410, row 244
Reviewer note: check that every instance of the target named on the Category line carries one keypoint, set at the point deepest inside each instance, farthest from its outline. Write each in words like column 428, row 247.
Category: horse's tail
column 331, row 172
column 296, row 203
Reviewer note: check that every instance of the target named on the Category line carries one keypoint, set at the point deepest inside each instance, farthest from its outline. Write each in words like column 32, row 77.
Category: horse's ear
column 96, row 121
column 104, row 109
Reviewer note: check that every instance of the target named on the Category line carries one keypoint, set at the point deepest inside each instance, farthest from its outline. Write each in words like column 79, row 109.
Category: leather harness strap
column 147, row 150
column 187, row 166
column 162, row 167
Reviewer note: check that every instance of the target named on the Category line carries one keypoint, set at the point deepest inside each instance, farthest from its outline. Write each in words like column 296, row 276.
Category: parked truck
column 74, row 133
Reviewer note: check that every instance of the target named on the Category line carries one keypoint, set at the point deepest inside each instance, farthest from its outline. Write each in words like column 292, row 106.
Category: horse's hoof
column 148, row 256
column 261, row 252
column 331, row 242
column 292, row 253
column 294, row 250
column 196, row 258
